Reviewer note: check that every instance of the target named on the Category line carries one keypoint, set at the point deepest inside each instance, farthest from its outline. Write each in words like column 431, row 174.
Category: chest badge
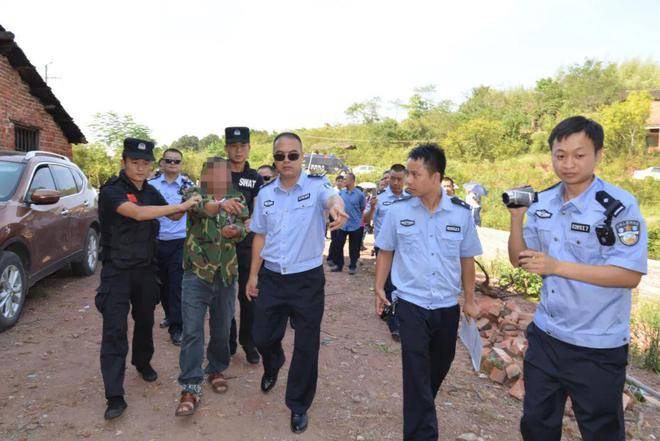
column 407, row 222
column 582, row 228
column 304, row 197
column 453, row 228
column 628, row 232
column 269, row 203
column 131, row 197
column 543, row 214
column 386, row 203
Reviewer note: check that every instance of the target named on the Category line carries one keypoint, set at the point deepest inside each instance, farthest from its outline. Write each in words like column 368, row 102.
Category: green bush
column 516, row 279
column 645, row 335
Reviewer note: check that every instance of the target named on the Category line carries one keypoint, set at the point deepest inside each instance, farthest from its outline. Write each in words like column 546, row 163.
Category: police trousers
column 300, row 296
column 593, row 378
column 122, row 290
column 428, row 346
column 246, row 315
column 170, row 267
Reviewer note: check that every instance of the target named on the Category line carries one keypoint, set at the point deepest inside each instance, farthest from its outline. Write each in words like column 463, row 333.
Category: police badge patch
column 628, row 232
column 543, row 214
column 407, row 222
column 269, row 203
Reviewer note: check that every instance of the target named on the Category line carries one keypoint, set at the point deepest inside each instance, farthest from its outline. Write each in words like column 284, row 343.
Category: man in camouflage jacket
column 209, row 282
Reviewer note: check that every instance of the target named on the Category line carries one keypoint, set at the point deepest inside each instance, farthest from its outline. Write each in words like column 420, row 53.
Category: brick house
column 31, row 117
column 653, row 124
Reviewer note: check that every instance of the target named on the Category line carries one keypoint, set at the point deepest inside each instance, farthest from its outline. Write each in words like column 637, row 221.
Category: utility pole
column 46, row 77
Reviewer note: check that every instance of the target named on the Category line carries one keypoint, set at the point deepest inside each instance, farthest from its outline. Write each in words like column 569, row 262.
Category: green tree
column 421, row 102
column 624, row 123
column 588, row 86
column 366, row 112
column 95, row 162
column 186, row 142
column 209, row 140
column 110, row 128
column 477, row 140
column 639, row 75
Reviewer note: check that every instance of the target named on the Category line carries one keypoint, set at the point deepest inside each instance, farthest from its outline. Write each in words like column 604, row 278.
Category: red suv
column 48, row 219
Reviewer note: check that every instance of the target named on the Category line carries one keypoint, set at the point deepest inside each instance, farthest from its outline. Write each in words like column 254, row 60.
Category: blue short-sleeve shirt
column 428, row 248
column 171, row 191
column 575, row 312
column 293, row 223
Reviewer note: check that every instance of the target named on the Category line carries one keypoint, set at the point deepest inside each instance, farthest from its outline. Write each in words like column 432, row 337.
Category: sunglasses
column 172, row 161
column 291, row 156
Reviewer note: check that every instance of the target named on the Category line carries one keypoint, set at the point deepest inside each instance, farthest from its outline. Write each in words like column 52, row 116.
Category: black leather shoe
column 165, row 323
column 335, row 269
column 396, row 336
column 268, row 382
column 176, row 338
column 299, row 422
column 251, row 354
column 116, row 406
column 148, row 373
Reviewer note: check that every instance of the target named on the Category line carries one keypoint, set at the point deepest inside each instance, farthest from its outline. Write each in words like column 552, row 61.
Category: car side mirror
column 43, row 196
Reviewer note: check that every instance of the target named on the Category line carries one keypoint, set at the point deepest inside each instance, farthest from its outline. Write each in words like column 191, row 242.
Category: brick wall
column 18, row 106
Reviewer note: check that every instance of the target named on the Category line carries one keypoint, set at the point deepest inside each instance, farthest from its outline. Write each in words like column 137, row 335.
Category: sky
column 195, row 67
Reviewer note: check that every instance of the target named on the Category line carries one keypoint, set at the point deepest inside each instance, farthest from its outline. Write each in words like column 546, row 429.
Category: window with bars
column 26, row 139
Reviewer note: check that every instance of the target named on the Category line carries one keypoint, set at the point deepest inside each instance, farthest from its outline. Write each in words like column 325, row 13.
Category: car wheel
column 87, row 265
column 13, row 287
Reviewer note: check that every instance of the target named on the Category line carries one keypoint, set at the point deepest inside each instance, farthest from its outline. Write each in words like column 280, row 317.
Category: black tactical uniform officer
column 128, row 209
column 248, row 182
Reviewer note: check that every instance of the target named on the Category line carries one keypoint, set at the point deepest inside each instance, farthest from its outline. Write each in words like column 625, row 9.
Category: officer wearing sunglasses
column 289, row 227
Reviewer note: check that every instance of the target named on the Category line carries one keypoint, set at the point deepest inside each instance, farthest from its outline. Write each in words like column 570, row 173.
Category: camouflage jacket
column 205, row 251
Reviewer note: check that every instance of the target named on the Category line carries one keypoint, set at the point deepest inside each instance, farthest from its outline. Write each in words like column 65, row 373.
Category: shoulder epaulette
column 380, row 191
column 111, row 180
column 550, row 188
column 316, row 175
column 458, row 201
column 405, row 198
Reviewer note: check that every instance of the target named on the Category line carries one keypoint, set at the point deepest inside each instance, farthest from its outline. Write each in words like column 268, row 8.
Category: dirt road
column 51, row 388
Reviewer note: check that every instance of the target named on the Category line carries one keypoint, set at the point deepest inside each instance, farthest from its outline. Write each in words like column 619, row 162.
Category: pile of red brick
column 502, row 327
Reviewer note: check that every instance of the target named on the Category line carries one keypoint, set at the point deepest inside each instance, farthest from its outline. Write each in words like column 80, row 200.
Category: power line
column 398, row 141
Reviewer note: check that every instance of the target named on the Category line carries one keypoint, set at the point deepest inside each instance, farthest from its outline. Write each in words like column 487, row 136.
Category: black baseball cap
column 139, row 149
column 237, row 134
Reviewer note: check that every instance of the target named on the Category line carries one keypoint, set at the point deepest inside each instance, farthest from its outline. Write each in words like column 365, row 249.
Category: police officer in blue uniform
column 286, row 277
column 377, row 210
column 248, row 182
column 588, row 241
column 171, row 236
column 428, row 241
column 128, row 209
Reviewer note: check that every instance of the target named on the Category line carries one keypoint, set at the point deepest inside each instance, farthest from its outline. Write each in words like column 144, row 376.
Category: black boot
column 116, row 406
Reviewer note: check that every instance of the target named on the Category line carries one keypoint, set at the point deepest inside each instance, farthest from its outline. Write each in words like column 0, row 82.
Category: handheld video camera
column 520, row 197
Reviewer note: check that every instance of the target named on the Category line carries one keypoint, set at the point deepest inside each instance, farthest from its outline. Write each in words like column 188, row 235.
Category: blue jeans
column 197, row 296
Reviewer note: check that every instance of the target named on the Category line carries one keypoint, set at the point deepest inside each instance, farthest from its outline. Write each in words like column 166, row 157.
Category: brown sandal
column 218, row 382
column 187, row 404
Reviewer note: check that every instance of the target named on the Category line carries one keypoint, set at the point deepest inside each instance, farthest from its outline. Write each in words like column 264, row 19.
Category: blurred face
column 419, row 180
column 170, row 164
column 238, row 152
column 340, row 183
column 574, row 159
column 449, row 187
column 386, row 179
column 216, row 179
column 397, row 180
column 137, row 169
column 349, row 181
column 267, row 174
column 288, row 157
